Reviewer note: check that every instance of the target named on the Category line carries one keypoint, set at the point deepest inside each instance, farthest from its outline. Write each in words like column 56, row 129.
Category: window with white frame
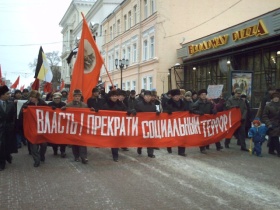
column 118, row 27
column 135, row 14
column 152, row 6
column 117, row 55
column 128, row 53
column 105, row 33
column 149, row 83
column 145, row 9
column 123, row 86
column 100, row 30
column 128, row 85
column 111, row 33
column 129, row 19
column 110, row 63
column 124, row 54
column 125, row 22
column 144, row 83
column 134, row 53
column 145, row 50
column 114, row 31
column 152, row 47
column 133, row 85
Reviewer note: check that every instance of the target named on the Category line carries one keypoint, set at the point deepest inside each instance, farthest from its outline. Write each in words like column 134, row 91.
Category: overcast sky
column 25, row 25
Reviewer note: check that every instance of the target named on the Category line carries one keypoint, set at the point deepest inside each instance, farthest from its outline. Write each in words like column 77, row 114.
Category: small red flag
column 36, row 84
column 21, row 88
column 88, row 64
column 16, row 83
column 48, row 87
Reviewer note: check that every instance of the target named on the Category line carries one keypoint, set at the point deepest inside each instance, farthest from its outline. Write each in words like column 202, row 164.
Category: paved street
column 230, row 179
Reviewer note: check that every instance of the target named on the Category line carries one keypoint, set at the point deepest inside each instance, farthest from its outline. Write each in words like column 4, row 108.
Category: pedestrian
column 132, row 100
column 114, row 104
column 64, row 95
column 25, row 94
column 235, row 101
column 248, row 117
column 257, row 133
column 57, row 103
column 95, row 102
column 204, row 106
column 175, row 104
column 266, row 99
column 271, row 116
column 77, row 150
column 147, row 105
column 8, row 142
column 38, row 151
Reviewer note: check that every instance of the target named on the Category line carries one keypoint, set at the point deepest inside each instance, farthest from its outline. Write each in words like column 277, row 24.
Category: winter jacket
column 271, row 118
column 258, row 133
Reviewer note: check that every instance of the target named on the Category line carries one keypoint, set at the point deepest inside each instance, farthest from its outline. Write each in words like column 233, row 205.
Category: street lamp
column 228, row 65
column 121, row 63
column 194, row 71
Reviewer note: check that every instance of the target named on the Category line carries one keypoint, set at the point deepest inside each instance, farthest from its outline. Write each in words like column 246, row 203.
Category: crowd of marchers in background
column 264, row 126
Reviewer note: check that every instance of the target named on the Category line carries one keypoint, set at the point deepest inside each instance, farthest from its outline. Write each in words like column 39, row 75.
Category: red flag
column 16, row 83
column 2, row 82
column 88, row 64
column 47, row 87
column 62, row 85
column 21, row 88
column 36, row 84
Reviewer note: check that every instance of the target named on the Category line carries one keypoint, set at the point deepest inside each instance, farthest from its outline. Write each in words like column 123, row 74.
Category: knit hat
column 77, row 92
column 147, row 92
column 276, row 94
column 57, row 95
column 112, row 93
column 257, row 121
column 188, row 93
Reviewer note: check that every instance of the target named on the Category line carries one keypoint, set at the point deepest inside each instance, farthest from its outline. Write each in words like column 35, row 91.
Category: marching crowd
column 266, row 122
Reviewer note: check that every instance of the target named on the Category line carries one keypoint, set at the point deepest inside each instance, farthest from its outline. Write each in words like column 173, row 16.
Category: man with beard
column 114, row 104
column 57, row 103
column 175, row 104
column 8, row 143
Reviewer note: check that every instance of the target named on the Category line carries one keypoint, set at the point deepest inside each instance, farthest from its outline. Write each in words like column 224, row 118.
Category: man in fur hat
column 174, row 104
column 8, row 143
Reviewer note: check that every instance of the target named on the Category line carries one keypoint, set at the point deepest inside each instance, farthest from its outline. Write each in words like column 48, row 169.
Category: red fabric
column 16, row 83
column 47, row 87
column 85, row 77
column 21, row 88
column 76, row 126
column 36, row 84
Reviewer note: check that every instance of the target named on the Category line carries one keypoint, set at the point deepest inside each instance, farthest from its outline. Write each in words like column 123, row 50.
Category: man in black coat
column 204, row 106
column 8, row 142
column 95, row 102
column 147, row 106
column 175, row 104
column 114, row 104
column 57, row 103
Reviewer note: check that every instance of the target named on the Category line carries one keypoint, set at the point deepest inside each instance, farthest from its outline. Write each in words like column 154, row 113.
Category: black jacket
column 118, row 106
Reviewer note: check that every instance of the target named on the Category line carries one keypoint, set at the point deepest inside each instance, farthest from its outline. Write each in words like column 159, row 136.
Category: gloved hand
column 24, row 106
column 92, row 109
column 63, row 108
column 169, row 112
column 128, row 112
column 53, row 107
column 236, row 106
column 133, row 112
column 96, row 110
column 157, row 113
column 214, row 111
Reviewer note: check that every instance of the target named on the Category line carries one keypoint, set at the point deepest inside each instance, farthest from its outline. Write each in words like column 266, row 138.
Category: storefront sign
column 256, row 30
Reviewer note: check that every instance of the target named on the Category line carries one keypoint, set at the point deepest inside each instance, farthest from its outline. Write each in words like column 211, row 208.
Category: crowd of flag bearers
column 12, row 134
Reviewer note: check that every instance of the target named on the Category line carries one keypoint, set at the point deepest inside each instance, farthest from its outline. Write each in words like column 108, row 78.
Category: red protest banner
column 76, row 126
